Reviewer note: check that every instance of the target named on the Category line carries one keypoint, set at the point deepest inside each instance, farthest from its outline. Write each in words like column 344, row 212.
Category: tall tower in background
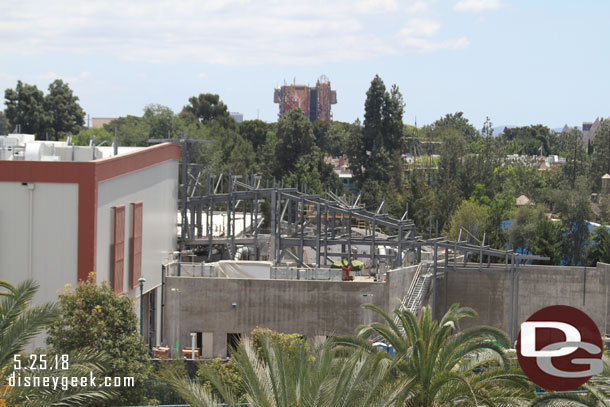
column 315, row 101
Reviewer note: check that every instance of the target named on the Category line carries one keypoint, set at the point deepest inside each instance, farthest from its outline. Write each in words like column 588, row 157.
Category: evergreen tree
column 295, row 138
column 66, row 115
column 374, row 152
column 573, row 148
column 25, row 107
column 601, row 153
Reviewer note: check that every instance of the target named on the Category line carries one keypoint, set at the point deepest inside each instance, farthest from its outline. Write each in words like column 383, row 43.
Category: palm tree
column 19, row 323
column 442, row 364
column 321, row 376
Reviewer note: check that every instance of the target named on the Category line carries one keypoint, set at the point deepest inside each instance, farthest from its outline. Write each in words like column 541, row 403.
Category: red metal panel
column 118, row 249
column 136, row 243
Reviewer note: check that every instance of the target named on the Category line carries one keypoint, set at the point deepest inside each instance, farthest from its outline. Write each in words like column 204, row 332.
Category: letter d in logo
column 554, row 346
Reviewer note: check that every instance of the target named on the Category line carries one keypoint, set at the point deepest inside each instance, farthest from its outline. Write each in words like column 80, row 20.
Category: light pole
column 141, row 280
column 177, row 291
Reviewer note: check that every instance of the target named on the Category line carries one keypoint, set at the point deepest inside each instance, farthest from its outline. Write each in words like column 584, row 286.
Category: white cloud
column 70, row 79
column 420, row 28
column 202, row 75
column 228, row 32
column 417, row 7
column 375, row 6
column 478, row 5
column 427, row 45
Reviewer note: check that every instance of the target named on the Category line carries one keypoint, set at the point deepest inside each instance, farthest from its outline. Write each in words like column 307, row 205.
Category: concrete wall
column 53, row 233
column 399, row 281
column 308, row 307
column 488, row 292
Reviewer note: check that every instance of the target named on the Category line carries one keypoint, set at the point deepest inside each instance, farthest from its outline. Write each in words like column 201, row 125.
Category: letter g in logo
column 560, row 348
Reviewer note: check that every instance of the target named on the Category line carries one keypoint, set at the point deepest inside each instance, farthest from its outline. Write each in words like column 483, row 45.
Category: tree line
column 458, row 176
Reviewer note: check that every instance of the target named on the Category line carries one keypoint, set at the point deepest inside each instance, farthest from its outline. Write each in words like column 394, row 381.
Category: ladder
column 419, row 289
column 416, row 294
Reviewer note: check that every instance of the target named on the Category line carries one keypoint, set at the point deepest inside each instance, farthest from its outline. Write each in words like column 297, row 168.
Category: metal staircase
column 416, row 294
column 419, row 288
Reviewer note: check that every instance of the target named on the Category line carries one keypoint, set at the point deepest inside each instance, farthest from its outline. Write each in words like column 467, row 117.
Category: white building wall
column 46, row 249
column 157, row 188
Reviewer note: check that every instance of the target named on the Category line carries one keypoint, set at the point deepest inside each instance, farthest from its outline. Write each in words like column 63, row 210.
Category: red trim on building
column 136, row 243
column 118, row 249
column 112, row 167
column 87, row 175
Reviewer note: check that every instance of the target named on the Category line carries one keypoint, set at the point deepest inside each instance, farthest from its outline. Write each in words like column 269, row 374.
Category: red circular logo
column 560, row 348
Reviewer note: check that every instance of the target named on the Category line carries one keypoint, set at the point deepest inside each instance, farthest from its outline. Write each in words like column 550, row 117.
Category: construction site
column 314, row 102
column 253, row 255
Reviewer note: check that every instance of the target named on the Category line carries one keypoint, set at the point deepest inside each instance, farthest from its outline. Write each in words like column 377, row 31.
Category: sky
column 516, row 62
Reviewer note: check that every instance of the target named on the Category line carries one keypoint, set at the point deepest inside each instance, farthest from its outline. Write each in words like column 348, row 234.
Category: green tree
column 458, row 122
column 528, row 140
column 295, row 139
column 312, row 171
column 205, row 108
column 66, row 115
column 601, row 153
column 4, row 126
column 93, row 317
column 501, row 208
column 440, row 360
column 255, row 131
column 162, row 122
column 130, row 130
column 372, row 151
column 21, row 321
column 575, row 154
column 322, row 375
column 471, row 216
column 600, row 245
column 546, row 241
column 524, row 227
column 575, row 209
column 487, row 130
column 99, row 134
column 227, row 372
column 25, row 107
column 231, row 151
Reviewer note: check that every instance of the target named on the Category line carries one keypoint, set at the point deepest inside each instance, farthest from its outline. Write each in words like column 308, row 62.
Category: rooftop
column 24, row 147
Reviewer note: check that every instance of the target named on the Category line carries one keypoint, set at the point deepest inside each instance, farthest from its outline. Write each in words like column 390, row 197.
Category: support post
column 349, row 238
column 318, row 234
column 434, row 293
column 302, row 234
column 325, row 234
column 273, row 232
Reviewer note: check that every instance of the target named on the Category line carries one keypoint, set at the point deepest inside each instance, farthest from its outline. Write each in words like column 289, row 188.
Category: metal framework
column 297, row 220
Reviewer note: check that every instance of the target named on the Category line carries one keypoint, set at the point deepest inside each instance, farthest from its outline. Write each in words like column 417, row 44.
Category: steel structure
column 286, row 220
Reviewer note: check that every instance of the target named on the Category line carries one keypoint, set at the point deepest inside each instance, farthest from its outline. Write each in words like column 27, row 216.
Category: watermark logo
column 560, row 348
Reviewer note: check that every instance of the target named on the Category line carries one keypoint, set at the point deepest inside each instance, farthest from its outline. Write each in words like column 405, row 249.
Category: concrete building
column 238, row 117
column 98, row 122
column 532, row 287
column 67, row 212
column 221, row 303
column 315, row 102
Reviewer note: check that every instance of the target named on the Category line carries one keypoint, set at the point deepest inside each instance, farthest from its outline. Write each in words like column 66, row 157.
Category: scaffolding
column 283, row 221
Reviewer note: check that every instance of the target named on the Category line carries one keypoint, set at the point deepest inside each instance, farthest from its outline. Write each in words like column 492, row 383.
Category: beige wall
column 488, row 292
column 311, row 308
